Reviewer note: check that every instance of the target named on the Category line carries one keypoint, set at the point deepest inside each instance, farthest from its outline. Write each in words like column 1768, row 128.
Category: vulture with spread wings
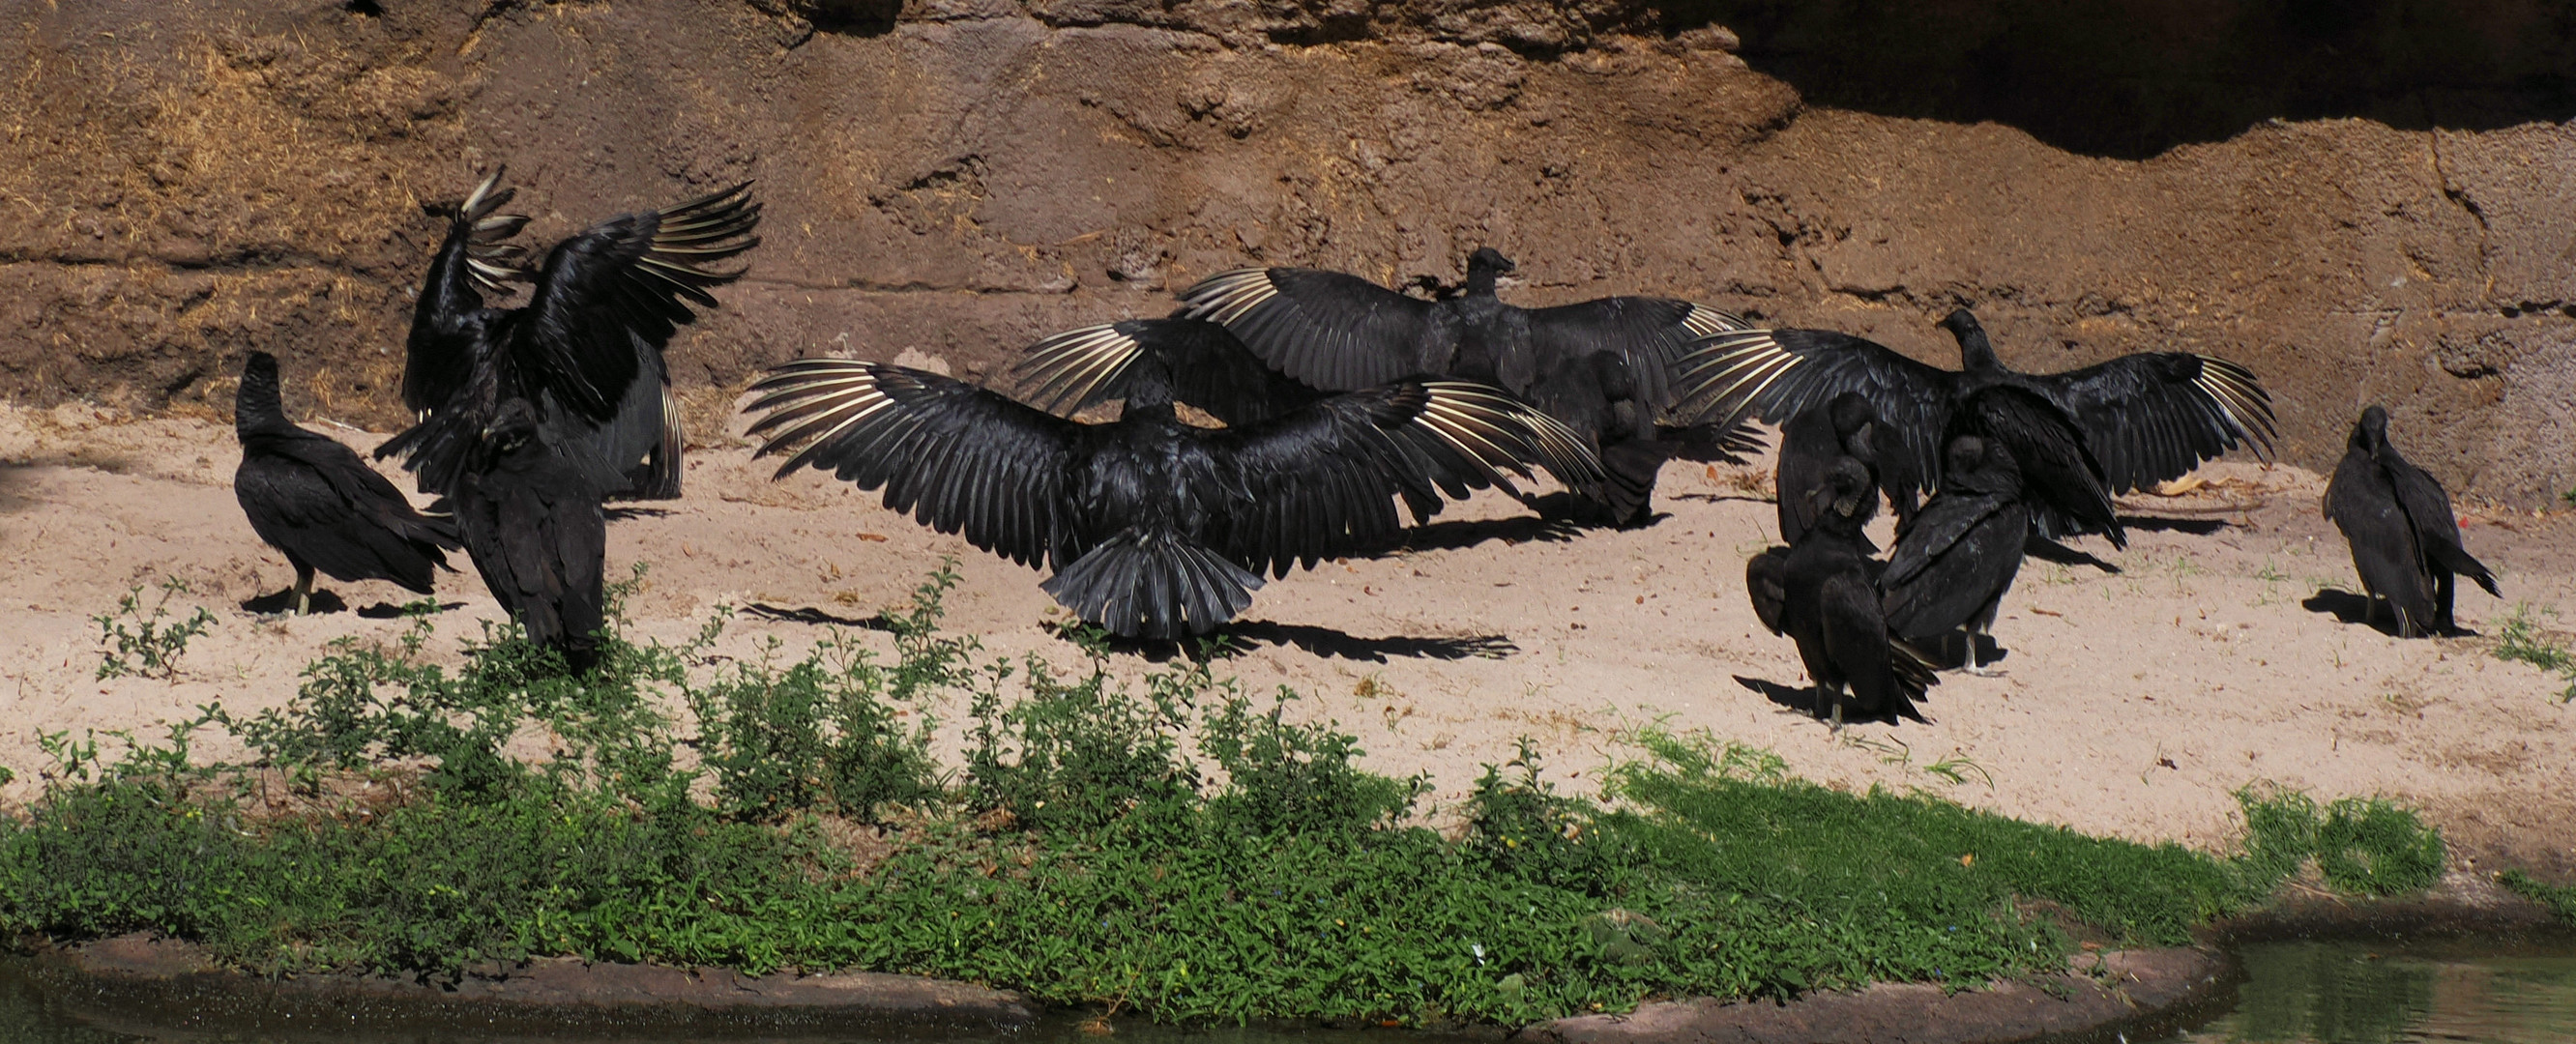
column 2125, row 424
column 316, row 500
column 1154, row 528
column 587, row 347
column 1602, row 367
column 2405, row 542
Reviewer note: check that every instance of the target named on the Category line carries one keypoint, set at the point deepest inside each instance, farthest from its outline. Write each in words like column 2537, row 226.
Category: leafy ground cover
column 1175, row 847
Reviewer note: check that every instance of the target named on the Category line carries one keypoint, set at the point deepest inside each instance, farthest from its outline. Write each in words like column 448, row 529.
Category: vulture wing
column 2154, row 416
column 959, row 458
column 1203, row 362
column 1778, row 374
column 1649, row 333
column 1328, row 330
column 476, row 258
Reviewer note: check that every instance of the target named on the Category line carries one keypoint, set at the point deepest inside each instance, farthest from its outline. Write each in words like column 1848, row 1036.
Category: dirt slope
column 186, row 180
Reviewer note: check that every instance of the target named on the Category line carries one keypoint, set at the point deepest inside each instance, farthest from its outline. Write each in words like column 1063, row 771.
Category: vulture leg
column 303, row 589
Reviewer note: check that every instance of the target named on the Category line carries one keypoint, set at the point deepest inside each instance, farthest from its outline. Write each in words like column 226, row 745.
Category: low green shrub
column 1078, row 853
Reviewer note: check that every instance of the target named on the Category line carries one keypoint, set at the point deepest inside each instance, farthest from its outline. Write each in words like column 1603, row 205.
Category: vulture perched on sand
column 2405, row 542
column 1153, row 527
column 1830, row 605
column 2138, row 420
column 318, row 502
column 1953, row 562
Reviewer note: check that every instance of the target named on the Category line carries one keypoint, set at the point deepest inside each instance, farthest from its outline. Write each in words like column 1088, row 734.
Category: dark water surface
column 2474, row 991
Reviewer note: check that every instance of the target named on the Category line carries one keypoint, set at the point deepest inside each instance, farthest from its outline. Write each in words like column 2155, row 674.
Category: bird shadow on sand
column 1806, row 702
column 1803, row 699
column 621, row 513
column 1951, row 652
column 1242, row 636
column 1460, row 534
column 2047, row 550
column 806, row 614
column 2169, row 524
column 325, row 603
column 1343, row 645
column 1719, row 498
column 2347, row 607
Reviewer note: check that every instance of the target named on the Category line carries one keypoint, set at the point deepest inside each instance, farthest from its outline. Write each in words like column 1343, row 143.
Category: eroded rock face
column 184, row 183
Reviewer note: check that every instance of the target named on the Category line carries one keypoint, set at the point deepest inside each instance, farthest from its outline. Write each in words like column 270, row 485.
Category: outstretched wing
column 1328, row 330
column 2154, row 416
column 1649, row 333
column 1203, row 364
column 622, row 288
column 959, row 458
column 1317, row 483
column 1776, row 375
column 476, row 258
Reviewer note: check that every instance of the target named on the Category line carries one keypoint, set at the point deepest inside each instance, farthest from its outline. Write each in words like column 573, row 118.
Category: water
column 2477, row 991
column 2470, row 990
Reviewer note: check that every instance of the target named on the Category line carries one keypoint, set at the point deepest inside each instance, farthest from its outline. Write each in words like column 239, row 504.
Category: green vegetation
column 399, row 815
column 136, row 640
column 2520, row 640
column 2560, row 899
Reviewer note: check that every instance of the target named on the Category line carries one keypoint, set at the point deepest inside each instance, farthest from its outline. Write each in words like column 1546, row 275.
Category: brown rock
column 183, row 184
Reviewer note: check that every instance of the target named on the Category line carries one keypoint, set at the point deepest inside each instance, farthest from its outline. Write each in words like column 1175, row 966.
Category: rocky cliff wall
column 182, row 181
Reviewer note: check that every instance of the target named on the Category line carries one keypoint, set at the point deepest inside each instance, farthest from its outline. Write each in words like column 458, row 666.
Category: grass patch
column 1173, row 846
column 2560, row 899
column 2520, row 640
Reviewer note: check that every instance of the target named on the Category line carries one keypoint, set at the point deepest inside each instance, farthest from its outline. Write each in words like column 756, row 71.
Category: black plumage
column 532, row 522
column 1154, row 528
column 2145, row 418
column 1953, row 562
column 1602, row 367
column 2061, row 479
column 1766, row 580
column 318, row 502
column 586, row 349
column 1202, row 364
column 1830, row 605
column 1814, row 439
column 2405, row 541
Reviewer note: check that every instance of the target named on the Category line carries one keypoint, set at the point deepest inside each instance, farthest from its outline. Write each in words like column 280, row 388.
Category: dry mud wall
column 182, row 181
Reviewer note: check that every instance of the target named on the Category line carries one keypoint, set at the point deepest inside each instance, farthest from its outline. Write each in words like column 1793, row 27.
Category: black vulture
column 1954, row 561
column 1202, row 364
column 316, row 500
column 1830, row 605
column 2405, row 542
column 1603, row 367
column 2061, row 479
column 1154, row 528
column 531, row 519
column 587, row 347
column 1766, row 579
column 2144, row 418
column 1814, row 439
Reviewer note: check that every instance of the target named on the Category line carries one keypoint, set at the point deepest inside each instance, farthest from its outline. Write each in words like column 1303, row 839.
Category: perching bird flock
column 1345, row 412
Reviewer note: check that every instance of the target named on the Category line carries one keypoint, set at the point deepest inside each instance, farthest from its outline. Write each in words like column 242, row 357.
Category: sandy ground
column 2133, row 704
